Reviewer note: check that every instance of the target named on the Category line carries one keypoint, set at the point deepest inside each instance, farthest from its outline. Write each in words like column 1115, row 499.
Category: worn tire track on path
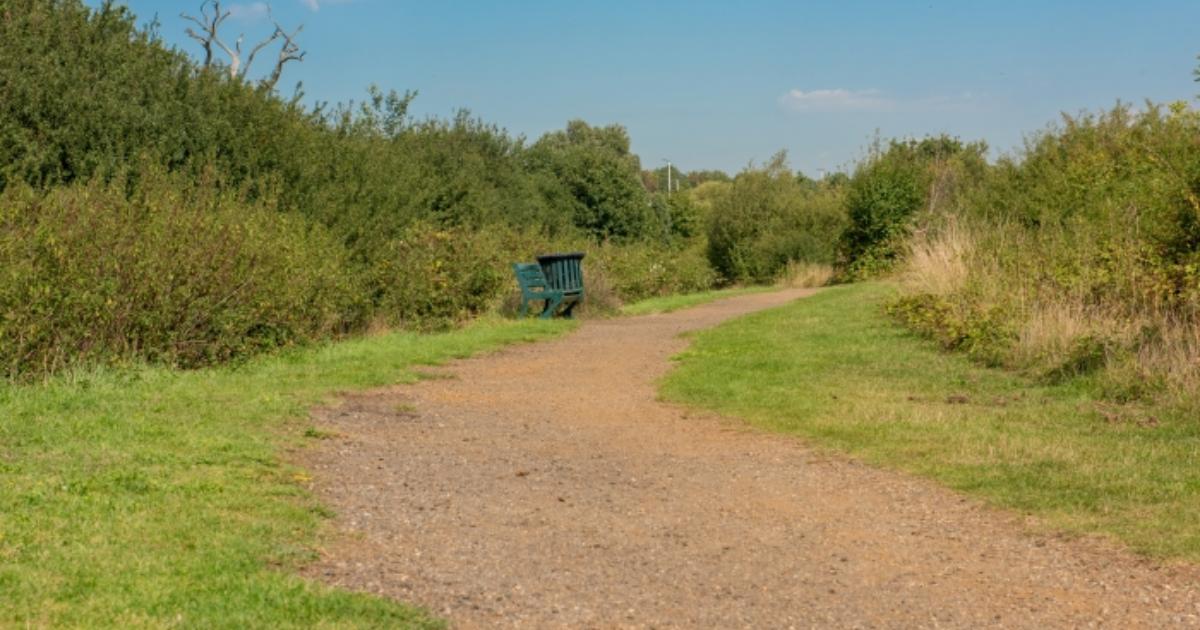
column 545, row 486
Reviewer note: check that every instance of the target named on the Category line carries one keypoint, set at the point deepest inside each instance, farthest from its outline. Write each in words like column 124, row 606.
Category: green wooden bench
column 556, row 280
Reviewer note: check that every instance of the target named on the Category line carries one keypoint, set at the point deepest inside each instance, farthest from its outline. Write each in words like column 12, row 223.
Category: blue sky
column 721, row 84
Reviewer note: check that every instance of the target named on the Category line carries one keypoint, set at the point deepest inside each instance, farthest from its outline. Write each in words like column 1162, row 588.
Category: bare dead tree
column 209, row 26
column 289, row 52
column 209, row 23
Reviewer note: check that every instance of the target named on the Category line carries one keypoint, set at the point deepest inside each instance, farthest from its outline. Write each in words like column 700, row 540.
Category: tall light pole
column 667, row 209
column 668, row 177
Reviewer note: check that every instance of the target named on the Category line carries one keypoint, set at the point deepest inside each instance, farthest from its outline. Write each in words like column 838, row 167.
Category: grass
column 835, row 371
column 666, row 304
column 159, row 498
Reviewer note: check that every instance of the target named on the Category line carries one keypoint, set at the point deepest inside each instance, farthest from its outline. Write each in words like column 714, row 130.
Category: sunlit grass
column 834, row 370
column 671, row 303
column 159, row 498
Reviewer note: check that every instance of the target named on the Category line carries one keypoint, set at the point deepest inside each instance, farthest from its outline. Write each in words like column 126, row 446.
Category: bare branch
column 205, row 42
column 235, row 56
column 208, row 34
column 209, row 25
column 289, row 52
column 261, row 45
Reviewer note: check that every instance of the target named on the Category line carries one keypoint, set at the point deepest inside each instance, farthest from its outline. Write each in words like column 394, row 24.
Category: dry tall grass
column 1173, row 354
column 937, row 264
column 805, row 275
column 1136, row 346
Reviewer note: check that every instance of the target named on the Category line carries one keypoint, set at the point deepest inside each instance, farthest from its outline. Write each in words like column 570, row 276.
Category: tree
column 210, row 21
column 892, row 185
column 696, row 178
column 591, row 171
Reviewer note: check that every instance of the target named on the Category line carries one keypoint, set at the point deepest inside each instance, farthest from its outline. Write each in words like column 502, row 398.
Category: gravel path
column 544, row 486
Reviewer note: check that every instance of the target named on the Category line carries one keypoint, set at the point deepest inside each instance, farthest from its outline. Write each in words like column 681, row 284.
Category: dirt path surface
column 544, row 486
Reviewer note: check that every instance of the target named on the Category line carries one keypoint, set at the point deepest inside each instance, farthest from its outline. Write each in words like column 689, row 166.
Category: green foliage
column 889, row 188
column 679, row 216
column 655, row 181
column 437, row 278
column 704, row 196
column 1086, row 249
column 642, row 270
column 767, row 218
column 1104, row 173
column 590, row 171
column 83, row 93
column 985, row 336
column 1110, row 205
column 385, row 174
column 173, row 272
column 696, row 178
column 379, row 218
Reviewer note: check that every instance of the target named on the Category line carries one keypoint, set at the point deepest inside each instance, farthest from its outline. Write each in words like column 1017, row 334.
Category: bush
column 435, row 278
column 981, row 333
column 591, row 174
column 768, row 218
column 174, row 273
column 228, row 220
column 1083, row 251
column 640, row 270
column 890, row 187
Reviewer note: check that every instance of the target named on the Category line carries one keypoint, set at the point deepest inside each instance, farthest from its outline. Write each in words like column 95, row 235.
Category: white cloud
column 251, row 12
column 840, row 100
column 835, row 100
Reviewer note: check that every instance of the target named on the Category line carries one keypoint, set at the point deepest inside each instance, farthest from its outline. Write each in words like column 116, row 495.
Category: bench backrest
column 530, row 276
column 564, row 274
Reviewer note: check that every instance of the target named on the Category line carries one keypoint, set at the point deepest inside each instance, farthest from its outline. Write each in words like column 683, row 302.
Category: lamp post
column 667, row 209
column 668, row 177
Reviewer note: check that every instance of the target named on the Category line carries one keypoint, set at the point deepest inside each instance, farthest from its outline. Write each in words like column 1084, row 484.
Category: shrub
column 1081, row 252
column 768, row 218
column 175, row 273
column 891, row 186
column 434, row 278
column 228, row 220
column 591, row 173
column 640, row 270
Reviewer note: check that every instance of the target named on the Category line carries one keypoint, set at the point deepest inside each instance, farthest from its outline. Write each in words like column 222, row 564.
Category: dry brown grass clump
column 805, row 275
column 938, row 264
column 1016, row 316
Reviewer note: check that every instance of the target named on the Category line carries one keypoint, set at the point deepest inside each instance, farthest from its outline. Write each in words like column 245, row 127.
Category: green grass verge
column 834, row 369
column 670, row 303
column 158, row 498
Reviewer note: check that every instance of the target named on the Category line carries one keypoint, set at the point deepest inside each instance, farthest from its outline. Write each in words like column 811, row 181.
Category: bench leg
column 524, row 310
column 569, row 311
column 551, row 306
